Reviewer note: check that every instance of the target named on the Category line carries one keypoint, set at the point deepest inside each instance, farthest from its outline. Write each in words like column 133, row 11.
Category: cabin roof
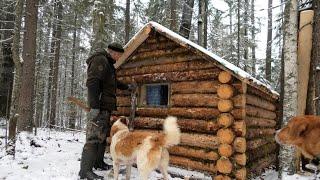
column 144, row 33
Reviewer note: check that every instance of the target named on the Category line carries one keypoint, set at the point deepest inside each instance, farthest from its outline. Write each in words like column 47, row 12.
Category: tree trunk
column 269, row 43
column 253, row 39
column 56, row 66
column 316, row 52
column 238, row 37
column 127, row 22
column 25, row 120
column 290, row 64
column 173, row 15
column 16, row 59
column 72, row 118
column 246, row 39
column 98, row 39
column 185, row 27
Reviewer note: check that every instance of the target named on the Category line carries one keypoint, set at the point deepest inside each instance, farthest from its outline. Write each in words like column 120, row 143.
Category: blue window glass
column 157, row 95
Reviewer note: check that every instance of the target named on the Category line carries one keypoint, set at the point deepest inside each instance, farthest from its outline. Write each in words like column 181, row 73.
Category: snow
column 59, row 155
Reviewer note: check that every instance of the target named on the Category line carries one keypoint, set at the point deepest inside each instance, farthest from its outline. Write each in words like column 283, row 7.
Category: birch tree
column 290, row 72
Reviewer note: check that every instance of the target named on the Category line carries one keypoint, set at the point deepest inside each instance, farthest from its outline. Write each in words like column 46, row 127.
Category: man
column 101, row 84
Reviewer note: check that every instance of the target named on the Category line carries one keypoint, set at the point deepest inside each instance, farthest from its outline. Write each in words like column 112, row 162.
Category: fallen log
column 192, row 152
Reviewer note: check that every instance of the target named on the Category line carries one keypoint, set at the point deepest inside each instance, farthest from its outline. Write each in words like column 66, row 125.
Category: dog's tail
column 79, row 103
column 171, row 131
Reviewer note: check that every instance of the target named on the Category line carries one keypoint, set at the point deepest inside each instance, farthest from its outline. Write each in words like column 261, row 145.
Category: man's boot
column 87, row 161
column 99, row 163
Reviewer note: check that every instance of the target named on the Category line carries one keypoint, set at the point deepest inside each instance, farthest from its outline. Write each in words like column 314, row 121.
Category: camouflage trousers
column 98, row 128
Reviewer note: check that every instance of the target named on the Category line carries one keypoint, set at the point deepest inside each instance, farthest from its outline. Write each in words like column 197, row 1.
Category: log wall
column 222, row 119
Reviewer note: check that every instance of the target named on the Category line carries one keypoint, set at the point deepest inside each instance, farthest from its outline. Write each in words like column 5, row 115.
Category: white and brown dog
column 147, row 149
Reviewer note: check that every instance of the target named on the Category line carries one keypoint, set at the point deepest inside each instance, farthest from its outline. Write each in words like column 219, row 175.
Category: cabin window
column 154, row 95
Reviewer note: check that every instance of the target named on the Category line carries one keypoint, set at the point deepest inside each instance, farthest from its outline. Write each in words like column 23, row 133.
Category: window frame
column 143, row 95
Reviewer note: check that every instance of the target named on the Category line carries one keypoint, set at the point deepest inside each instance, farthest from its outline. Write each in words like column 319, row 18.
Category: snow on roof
column 236, row 71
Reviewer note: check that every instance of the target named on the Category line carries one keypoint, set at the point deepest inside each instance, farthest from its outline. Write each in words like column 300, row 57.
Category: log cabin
column 227, row 117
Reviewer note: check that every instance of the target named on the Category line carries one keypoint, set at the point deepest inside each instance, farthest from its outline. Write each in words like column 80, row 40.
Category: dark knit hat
column 116, row 47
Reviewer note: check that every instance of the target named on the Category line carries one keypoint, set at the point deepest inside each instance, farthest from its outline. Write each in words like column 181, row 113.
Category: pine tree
column 25, row 121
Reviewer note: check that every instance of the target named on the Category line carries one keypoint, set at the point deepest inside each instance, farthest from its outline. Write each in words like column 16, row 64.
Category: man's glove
column 92, row 115
column 132, row 86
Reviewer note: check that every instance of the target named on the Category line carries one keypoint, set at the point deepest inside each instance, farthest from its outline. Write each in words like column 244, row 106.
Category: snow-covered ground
column 59, row 155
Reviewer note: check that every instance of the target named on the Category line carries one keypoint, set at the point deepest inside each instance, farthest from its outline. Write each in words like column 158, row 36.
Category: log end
column 224, row 165
column 224, row 77
column 225, row 105
column 240, row 144
column 225, row 150
column 225, row 120
column 225, row 136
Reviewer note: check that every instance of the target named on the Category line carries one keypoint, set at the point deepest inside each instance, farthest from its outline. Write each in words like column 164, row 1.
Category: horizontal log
column 224, row 165
column 256, row 143
column 190, row 87
column 256, row 133
column 153, row 46
column 161, row 60
column 262, row 151
column 263, row 94
column 185, row 125
column 194, row 139
column 241, row 113
column 192, row 152
column 190, row 164
column 158, row 53
column 163, row 68
column 156, row 38
column 207, row 74
column 254, row 101
column 192, row 113
column 123, row 101
column 225, row 91
column 224, row 77
column 194, row 100
column 258, row 167
column 259, row 122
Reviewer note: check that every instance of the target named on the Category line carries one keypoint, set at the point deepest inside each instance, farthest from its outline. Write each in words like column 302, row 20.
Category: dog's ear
column 124, row 120
column 299, row 129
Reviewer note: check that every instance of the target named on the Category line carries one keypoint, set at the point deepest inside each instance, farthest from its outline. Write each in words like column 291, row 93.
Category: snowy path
column 58, row 158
